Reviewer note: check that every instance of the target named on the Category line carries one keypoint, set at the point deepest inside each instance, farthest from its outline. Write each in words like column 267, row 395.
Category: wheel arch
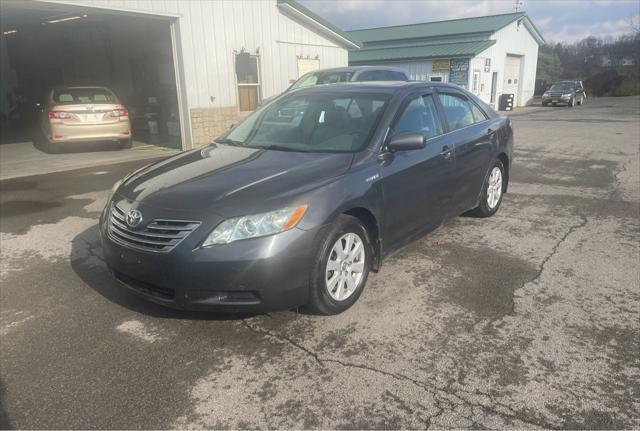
column 505, row 162
column 370, row 222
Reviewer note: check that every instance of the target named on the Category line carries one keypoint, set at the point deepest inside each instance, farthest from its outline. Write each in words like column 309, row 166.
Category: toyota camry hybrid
column 296, row 204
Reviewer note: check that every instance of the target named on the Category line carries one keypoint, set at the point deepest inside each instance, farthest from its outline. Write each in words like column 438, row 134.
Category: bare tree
column 633, row 21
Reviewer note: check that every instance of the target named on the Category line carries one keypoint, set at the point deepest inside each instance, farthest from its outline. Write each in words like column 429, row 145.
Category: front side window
column 420, row 116
column 327, row 122
column 457, row 111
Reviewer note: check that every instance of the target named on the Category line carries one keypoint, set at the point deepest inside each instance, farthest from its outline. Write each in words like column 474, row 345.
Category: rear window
column 84, row 95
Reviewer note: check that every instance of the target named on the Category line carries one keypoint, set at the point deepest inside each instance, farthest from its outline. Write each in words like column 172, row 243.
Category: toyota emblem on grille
column 134, row 218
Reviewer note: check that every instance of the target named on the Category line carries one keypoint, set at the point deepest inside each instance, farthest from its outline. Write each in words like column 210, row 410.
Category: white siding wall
column 210, row 31
column 514, row 41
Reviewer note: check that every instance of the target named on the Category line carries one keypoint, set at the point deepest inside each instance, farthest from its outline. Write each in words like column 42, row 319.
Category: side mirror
column 407, row 141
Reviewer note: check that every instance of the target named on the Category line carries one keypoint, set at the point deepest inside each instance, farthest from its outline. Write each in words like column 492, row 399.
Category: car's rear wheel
column 340, row 268
column 126, row 143
column 492, row 191
column 52, row 147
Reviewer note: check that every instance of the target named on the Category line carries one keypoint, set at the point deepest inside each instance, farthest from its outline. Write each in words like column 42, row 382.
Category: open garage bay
column 528, row 319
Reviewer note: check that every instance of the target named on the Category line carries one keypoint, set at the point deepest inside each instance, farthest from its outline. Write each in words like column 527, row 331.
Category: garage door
column 511, row 75
column 47, row 47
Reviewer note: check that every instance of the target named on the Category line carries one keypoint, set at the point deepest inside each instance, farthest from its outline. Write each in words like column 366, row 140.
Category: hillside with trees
column 595, row 61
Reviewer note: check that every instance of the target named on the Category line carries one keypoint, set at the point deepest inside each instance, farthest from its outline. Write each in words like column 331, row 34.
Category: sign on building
column 459, row 73
column 440, row 65
column 306, row 65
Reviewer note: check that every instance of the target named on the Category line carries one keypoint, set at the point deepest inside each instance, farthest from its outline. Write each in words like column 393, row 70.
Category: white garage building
column 489, row 55
column 192, row 67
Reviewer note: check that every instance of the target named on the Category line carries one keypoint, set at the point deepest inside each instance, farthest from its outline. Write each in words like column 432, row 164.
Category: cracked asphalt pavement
column 528, row 319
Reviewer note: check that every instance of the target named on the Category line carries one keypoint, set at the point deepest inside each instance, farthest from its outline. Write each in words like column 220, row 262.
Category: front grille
column 144, row 287
column 159, row 236
column 556, row 95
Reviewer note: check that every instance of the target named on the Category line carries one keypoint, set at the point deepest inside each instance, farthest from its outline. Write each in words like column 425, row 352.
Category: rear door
column 416, row 184
column 473, row 135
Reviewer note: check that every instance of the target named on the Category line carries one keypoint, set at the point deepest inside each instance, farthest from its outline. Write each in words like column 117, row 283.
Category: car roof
column 359, row 69
column 390, row 87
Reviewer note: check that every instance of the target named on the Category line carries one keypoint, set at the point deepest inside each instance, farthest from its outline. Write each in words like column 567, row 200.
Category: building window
column 436, row 79
column 248, row 76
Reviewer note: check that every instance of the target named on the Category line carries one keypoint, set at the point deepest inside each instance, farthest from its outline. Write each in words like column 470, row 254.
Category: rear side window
column 457, row 111
column 478, row 114
column 398, row 76
column 420, row 116
column 381, row 75
column 84, row 95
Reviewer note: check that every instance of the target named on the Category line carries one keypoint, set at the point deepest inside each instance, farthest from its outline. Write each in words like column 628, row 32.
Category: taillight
column 120, row 112
column 59, row 115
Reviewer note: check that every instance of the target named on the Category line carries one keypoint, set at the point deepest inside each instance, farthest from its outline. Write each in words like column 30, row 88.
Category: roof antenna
column 517, row 5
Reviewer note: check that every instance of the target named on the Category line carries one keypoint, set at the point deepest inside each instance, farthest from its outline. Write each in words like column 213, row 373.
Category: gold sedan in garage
column 84, row 115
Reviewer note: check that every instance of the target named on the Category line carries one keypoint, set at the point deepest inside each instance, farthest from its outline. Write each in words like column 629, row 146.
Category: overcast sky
column 557, row 20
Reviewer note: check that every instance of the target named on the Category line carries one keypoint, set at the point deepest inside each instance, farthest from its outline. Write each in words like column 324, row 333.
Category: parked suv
column 566, row 92
column 83, row 114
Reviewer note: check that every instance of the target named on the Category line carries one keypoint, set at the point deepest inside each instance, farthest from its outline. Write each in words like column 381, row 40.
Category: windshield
column 563, row 86
column 318, row 78
column 327, row 123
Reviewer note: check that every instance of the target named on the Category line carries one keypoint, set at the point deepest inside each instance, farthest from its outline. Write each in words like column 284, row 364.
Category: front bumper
column 255, row 275
column 559, row 99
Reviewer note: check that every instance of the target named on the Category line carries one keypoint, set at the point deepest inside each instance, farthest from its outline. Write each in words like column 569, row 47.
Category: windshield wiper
column 283, row 148
column 229, row 142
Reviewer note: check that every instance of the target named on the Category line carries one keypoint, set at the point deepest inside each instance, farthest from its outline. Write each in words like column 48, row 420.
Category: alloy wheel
column 345, row 267
column 494, row 188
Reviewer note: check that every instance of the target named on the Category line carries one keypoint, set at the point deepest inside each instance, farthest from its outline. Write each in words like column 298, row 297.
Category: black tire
column 320, row 301
column 126, row 143
column 52, row 147
column 483, row 209
column 545, row 104
column 571, row 103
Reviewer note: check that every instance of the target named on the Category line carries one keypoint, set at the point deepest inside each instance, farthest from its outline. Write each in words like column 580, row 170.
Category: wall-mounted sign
column 440, row 65
column 306, row 65
column 487, row 64
column 459, row 72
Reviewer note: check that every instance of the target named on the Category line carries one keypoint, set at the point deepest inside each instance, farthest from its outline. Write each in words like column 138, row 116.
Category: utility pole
column 517, row 5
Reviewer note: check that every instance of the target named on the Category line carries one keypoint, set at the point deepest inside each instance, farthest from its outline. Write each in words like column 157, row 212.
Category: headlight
column 566, row 95
column 253, row 226
column 545, row 94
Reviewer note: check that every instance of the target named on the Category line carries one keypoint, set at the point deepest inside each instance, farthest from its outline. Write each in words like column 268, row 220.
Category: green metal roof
column 482, row 24
column 318, row 19
column 442, row 50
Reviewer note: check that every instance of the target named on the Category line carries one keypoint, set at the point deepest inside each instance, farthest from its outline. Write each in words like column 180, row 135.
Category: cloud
column 558, row 20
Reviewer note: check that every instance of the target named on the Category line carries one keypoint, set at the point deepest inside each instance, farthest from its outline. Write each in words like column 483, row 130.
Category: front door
column 416, row 184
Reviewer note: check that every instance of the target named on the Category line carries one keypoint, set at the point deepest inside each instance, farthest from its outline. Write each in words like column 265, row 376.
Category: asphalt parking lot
column 528, row 319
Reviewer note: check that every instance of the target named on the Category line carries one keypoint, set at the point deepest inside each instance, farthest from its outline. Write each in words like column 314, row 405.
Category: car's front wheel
column 492, row 191
column 341, row 267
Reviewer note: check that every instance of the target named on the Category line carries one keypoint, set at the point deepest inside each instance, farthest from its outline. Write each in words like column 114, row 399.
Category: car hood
column 223, row 176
